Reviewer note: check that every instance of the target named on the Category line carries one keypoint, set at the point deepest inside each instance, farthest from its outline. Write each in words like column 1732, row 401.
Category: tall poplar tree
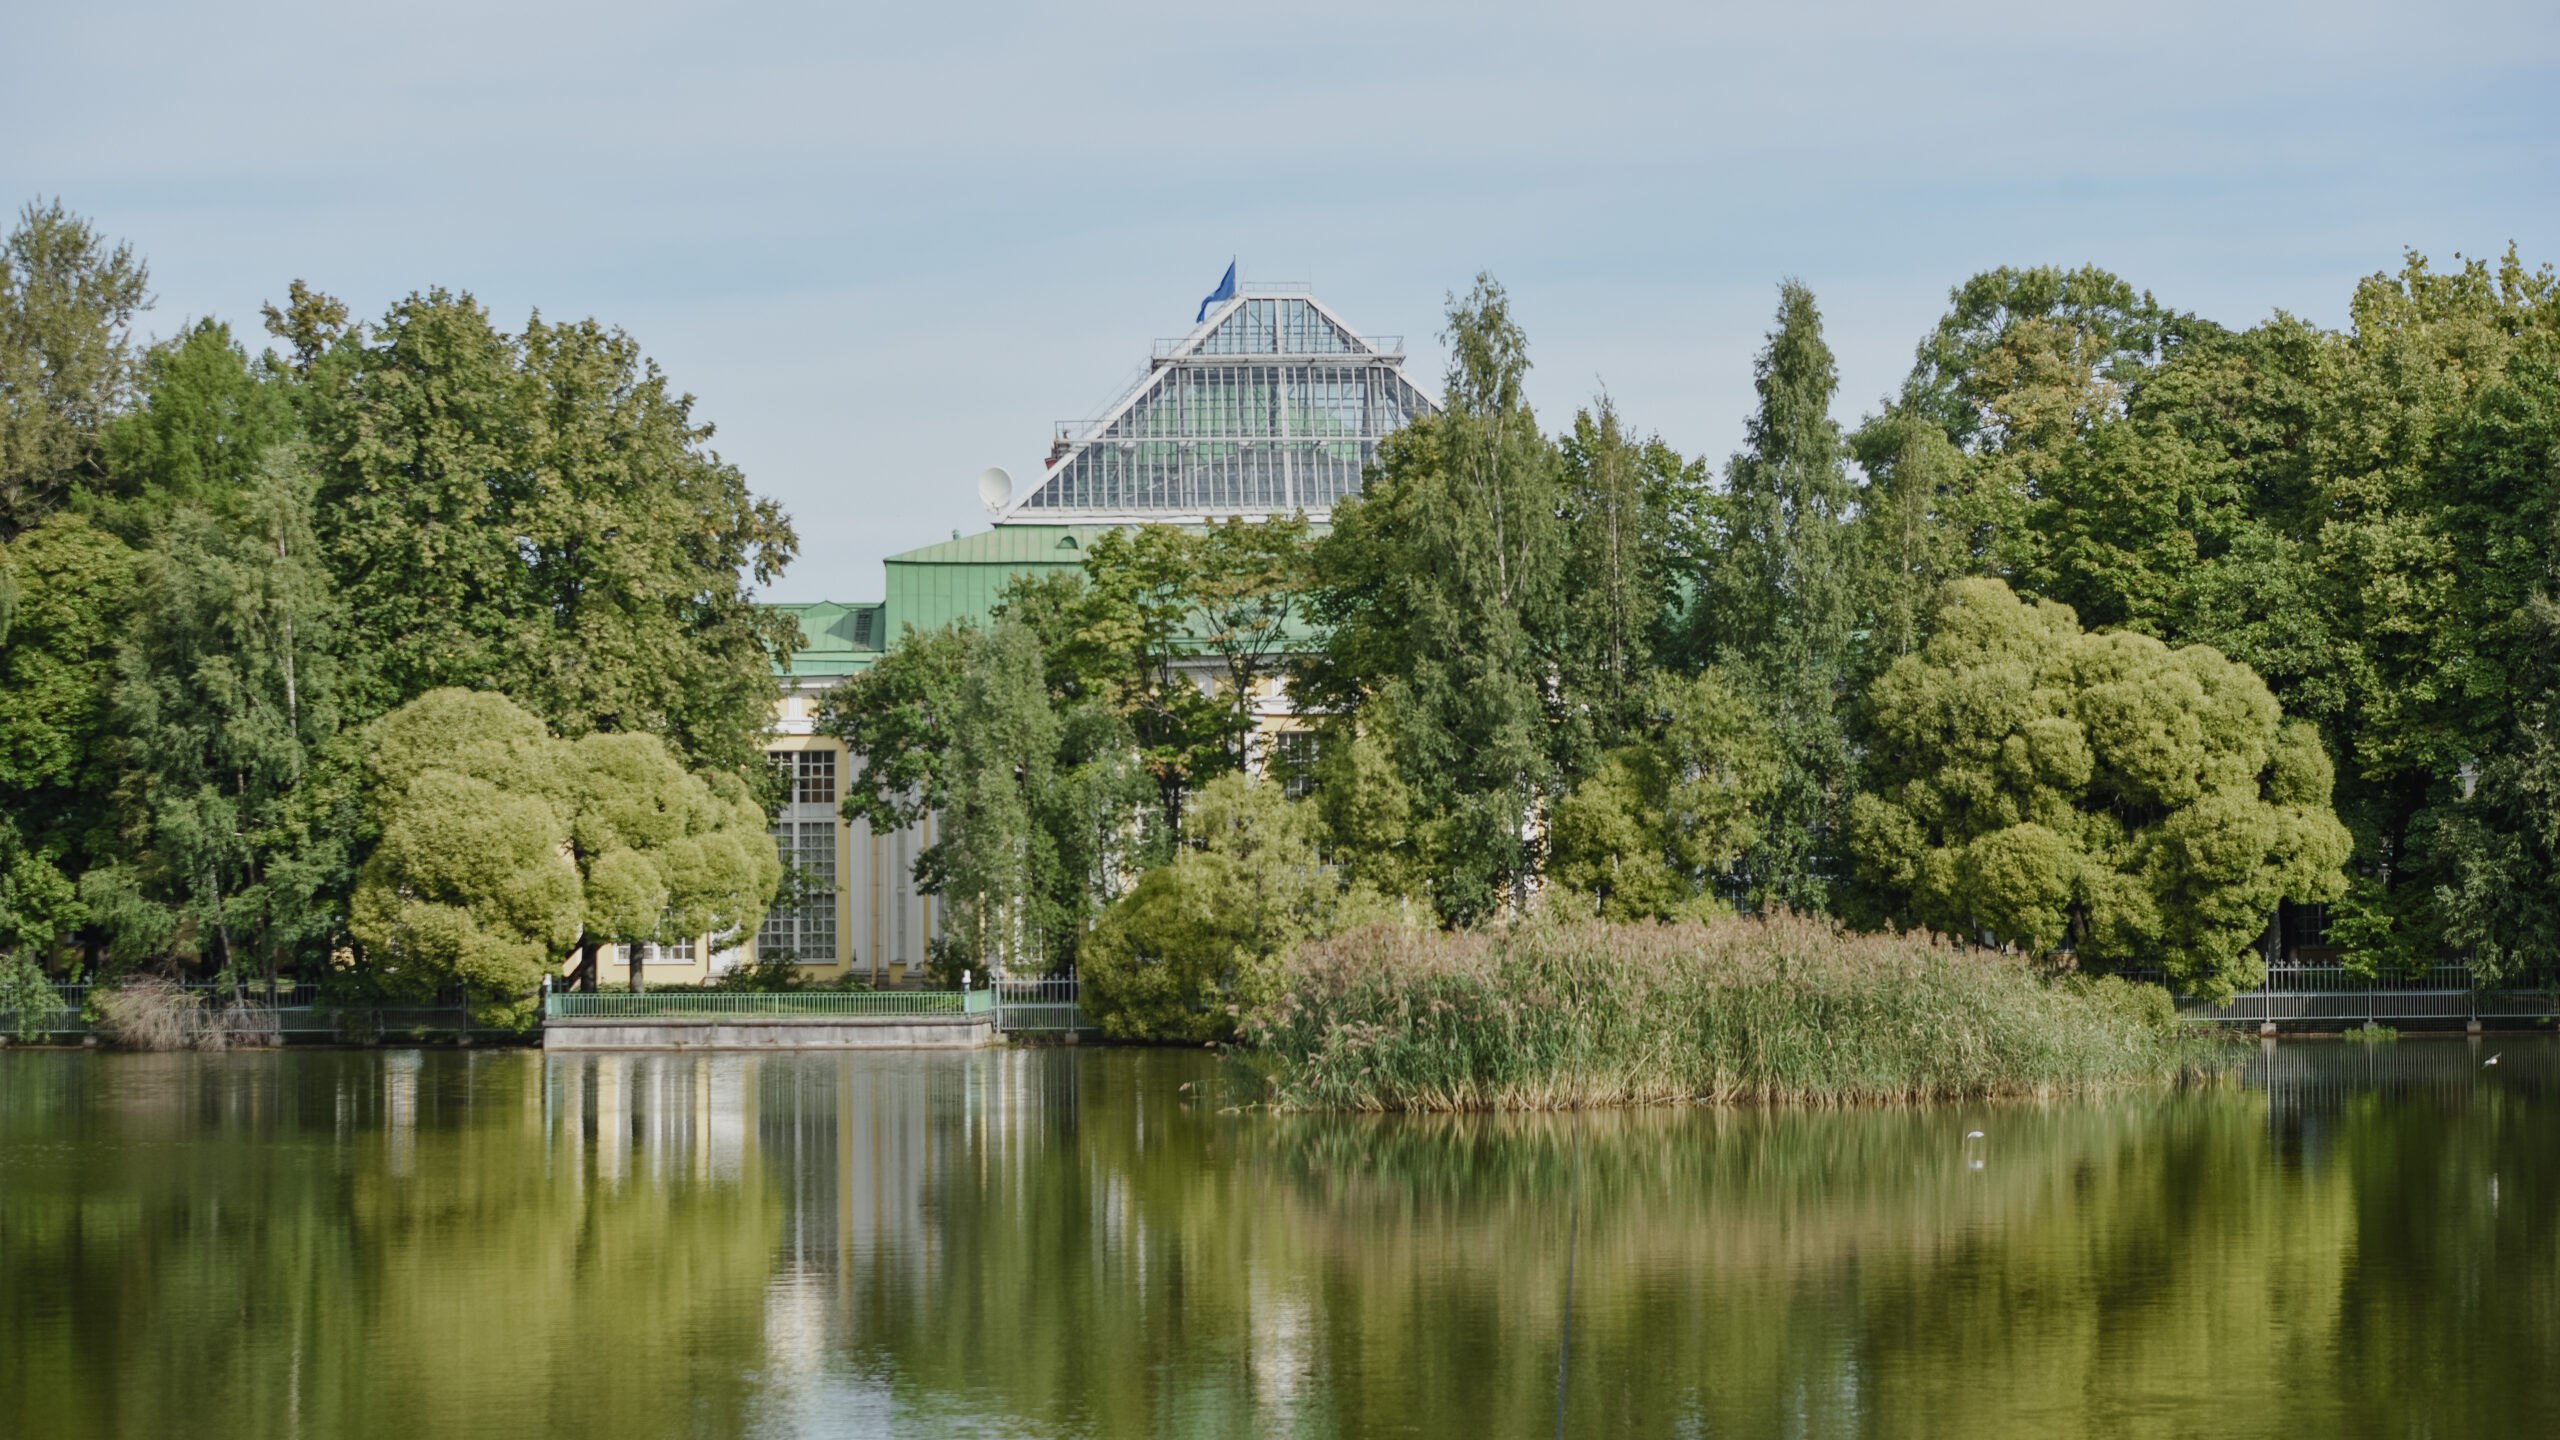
column 995, row 867
column 1778, row 606
column 208, row 417
column 1441, row 588
column 1630, row 513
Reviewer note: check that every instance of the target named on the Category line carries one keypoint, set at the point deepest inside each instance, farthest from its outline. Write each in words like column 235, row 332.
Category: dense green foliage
column 67, row 302
column 1575, row 672
column 1442, row 592
column 1566, row 671
column 537, row 513
column 217, row 569
column 1649, row 832
column 1034, row 773
column 503, row 847
column 2048, row 789
column 1036, row 739
column 1198, row 941
column 1777, row 601
column 1555, row 1014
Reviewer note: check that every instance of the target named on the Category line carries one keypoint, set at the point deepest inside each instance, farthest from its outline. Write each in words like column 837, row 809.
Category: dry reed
column 146, row 1012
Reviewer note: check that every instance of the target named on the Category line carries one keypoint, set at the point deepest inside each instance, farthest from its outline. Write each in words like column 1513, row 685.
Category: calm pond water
column 2350, row 1240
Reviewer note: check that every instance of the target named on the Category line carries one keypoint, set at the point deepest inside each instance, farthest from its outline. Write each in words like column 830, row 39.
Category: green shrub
column 28, row 1001
column 1197, row 942
column 1558, row 1013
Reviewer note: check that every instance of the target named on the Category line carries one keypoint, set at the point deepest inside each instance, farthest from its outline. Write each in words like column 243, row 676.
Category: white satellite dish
column 995, row 488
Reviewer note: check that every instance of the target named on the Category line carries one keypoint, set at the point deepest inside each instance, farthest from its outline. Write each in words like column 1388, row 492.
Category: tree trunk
column 584, row 977
column 631, row 962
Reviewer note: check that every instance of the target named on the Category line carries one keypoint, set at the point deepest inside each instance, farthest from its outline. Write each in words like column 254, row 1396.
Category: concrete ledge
column 774, row 1032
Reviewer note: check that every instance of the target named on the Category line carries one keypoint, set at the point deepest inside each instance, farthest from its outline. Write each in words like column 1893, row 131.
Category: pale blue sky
column 890, row 245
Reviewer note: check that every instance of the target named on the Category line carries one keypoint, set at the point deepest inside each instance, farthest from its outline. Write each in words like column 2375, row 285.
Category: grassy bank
column 1785, row 1009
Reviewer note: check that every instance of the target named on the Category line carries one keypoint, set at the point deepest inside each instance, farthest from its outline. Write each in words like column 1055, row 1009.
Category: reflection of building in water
column 854, row 1143
column 656, row 1117
column 400, row 1108
column 881, row 1165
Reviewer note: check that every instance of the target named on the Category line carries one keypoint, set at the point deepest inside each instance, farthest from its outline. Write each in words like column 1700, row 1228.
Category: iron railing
column 715, row 1004
column 1039, row 1006
column 1047, row 1005
column 1011, row 1004
column 2332, row 994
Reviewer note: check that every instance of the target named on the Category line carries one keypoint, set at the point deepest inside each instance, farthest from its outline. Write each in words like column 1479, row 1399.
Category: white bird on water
column 2492, row 1060
column 1973, row 1134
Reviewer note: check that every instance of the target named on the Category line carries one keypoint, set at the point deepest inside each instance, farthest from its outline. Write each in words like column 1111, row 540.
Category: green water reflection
column 2352, row 1240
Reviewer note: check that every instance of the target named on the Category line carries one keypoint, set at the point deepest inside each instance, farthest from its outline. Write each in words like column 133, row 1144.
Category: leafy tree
column 1199, row 940
column 502, row 848
column 310, row 323
column 208, row 417
column 2022, row 366
column 1922, row 521
column 1036, row 780
column 2023, row 359
column 663, row 854
column 1095, row 785
column 1249, row 582
column 2041, row 787
column 1137, row 614
column 72, row 585
column 67, row 302
column 899, row 718
column 38, row 903
column 541, row 514
column 1367, row 825
column 1652, row 831
column 994, row 866
column 1779, row 603
column 1630, row 514
column 1440, row 591
column 2494, row 847
column 28, row 1000
column 227, row 702
column 472, row 880
column 2359, row 517
column 2430, row 479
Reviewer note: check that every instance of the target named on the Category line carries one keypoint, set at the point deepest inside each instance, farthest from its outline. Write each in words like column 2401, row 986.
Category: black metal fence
column 289, row 1011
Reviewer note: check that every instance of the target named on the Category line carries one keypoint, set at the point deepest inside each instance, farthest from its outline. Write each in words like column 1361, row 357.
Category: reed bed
column 1554, row 1014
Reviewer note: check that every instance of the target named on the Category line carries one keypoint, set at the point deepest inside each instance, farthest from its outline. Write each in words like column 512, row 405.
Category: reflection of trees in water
column 361, row 1243
column 1066, row 1243
column 1762, row 1270
column 1136, row 1256
column 2450, row 1298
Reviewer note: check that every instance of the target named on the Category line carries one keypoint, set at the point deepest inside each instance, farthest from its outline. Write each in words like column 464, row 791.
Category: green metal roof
column 963, row 577
column 836, row 637
column 1010, row 545
column 959, row 579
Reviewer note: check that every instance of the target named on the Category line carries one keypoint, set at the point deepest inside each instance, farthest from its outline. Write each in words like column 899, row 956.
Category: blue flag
column 1226, row 291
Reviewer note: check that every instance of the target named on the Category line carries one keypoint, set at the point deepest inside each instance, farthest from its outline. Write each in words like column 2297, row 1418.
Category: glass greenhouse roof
column 1272, row 405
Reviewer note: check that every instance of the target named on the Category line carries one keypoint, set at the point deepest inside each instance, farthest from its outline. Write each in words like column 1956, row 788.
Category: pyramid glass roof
column 1270, row 406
